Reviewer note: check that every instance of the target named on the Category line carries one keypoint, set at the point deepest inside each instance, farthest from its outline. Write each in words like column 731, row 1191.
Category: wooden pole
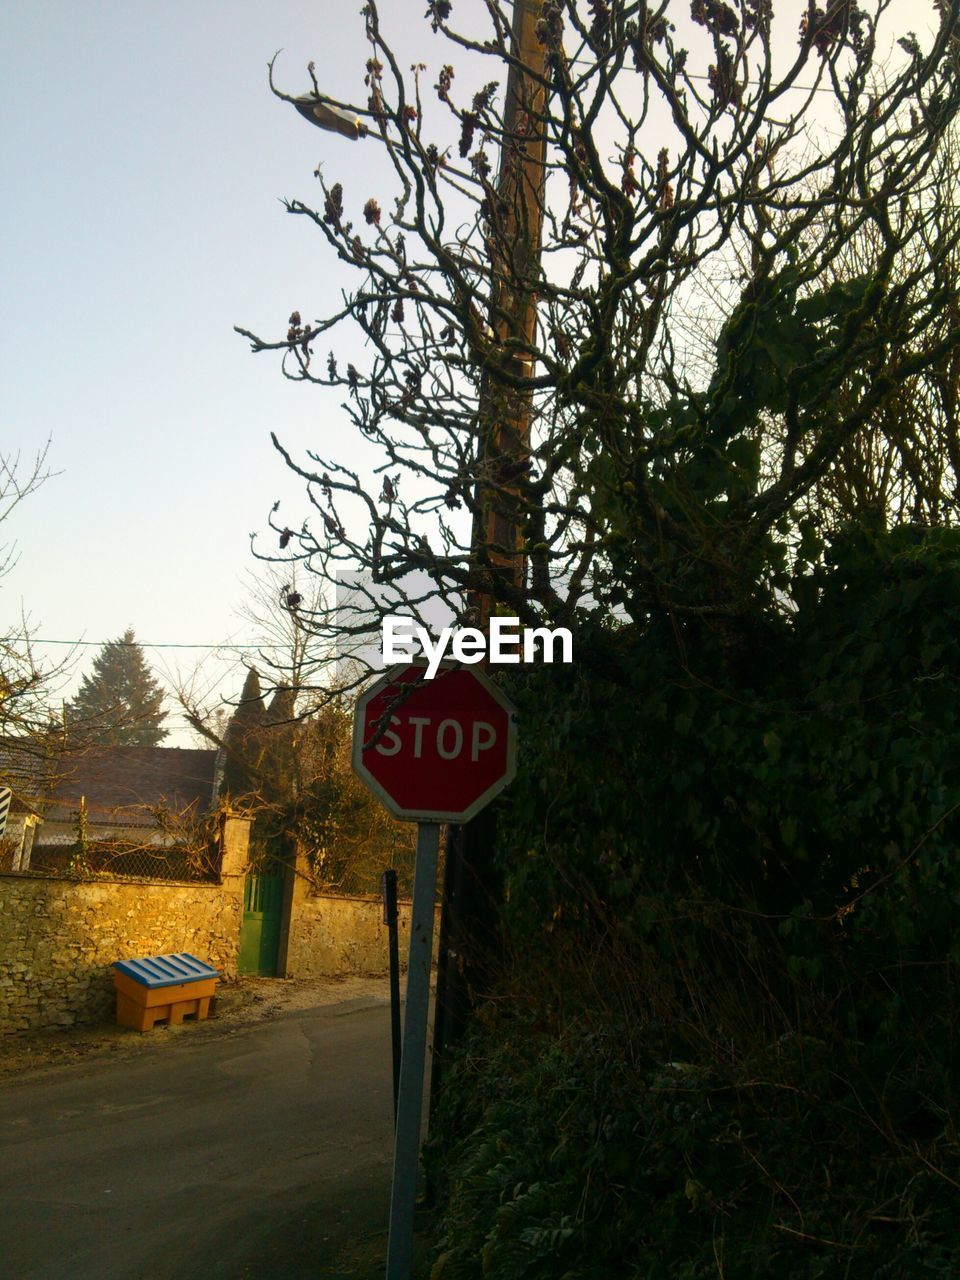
column 516, row 228
column 472, row 891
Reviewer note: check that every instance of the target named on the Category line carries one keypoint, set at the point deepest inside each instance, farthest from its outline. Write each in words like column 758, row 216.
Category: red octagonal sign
column 434, row 750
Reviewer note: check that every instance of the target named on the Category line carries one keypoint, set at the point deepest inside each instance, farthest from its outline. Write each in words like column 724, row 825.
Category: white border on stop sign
column 433, row 815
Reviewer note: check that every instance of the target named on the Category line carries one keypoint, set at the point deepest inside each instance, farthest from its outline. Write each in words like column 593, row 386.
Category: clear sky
column 143, row 163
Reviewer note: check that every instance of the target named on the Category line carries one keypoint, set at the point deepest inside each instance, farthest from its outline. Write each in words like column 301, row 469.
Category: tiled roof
column 113, row 778
column 26, row 771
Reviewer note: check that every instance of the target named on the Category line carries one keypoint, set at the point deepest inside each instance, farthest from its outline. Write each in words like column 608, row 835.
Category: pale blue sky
column 143, row 161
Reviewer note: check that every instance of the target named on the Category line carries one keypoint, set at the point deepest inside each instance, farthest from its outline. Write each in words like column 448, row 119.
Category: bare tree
column 903, row 464
column 279, row 604
column 28, row 687
column 706, row 171
column 287, row 757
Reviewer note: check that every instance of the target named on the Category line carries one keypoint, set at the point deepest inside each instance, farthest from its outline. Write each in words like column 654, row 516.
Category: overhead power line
column 145, row 644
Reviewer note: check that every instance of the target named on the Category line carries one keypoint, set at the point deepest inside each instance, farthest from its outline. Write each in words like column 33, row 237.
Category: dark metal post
column 388, row 889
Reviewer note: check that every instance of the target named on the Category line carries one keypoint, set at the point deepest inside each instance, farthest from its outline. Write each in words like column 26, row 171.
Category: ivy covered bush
column 600, row 1157
column 725, row 1042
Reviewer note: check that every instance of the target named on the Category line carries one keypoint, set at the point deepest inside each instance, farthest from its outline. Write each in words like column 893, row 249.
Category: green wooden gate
column 260, row 931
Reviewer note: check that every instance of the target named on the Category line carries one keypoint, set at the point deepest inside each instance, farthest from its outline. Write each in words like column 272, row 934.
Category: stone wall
column 324, row 935
column 330, row 935
column 59, row 937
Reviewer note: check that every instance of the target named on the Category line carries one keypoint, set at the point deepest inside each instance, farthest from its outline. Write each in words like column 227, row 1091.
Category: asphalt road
column 260, row 1154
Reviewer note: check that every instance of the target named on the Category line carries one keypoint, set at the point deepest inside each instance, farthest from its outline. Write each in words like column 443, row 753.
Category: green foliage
column 119, row 703
column 294, row 776
column 241, row 748
column 351, row 837
column 749, row 870
column 837, row 748
column 589, row 1155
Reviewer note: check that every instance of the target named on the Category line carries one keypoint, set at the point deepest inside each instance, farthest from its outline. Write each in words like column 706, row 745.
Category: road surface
column 262, row 1153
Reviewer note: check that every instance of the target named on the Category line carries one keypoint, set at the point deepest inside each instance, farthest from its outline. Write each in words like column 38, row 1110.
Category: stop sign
column 434, row 750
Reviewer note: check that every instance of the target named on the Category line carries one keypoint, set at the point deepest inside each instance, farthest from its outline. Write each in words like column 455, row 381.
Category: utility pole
column 472, row 891
column 515, row 257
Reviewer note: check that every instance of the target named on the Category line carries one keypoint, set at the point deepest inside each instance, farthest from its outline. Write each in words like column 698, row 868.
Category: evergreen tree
column 283, row 706
column 260, row 745
column 283, row 738
column 120, row 703
column 241, row 773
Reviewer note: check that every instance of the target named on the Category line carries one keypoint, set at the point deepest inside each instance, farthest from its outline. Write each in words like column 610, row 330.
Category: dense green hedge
column 739, row 854
column 837, row 746
column 587, row 1154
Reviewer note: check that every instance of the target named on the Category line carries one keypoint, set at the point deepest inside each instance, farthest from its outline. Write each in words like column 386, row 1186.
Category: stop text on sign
column 450, row 738
column 435, row 750
column 506, row 642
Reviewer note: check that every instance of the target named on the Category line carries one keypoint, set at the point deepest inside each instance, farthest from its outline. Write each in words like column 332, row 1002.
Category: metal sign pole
column 406, row 1152
column 388, row 887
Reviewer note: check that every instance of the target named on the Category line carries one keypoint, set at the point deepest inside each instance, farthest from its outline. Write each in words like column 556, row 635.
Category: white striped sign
column 5, row 796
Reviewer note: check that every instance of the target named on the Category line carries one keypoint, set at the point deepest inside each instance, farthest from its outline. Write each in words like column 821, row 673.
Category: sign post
column 432, row 751
column 388, row 889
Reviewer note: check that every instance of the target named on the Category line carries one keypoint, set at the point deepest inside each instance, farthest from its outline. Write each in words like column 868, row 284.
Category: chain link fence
column 357, row 872
column 167, row 848
column 350, row 869
column 170, row 847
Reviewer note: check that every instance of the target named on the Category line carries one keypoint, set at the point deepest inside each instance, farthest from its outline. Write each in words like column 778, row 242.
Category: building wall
column 59, row 936
column 16, row 841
